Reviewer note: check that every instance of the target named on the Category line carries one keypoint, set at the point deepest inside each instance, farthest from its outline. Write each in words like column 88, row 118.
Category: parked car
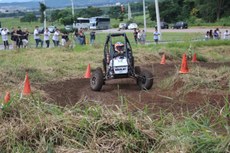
column 123, row 26
column 180, row 25
column 41, row 30
column 51, row 29
column 132, row 26
column 69, row 28
column 163, row 25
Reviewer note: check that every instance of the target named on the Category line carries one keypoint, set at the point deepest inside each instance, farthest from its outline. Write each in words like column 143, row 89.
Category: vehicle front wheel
column 97, row 80
column 145, row 80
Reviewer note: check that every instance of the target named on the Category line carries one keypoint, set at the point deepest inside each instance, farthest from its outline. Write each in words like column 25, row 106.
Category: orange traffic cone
column 7, row 98
column 26, row 90
column 194, row 58
column 163, row 59
column 87, row 73
column 184, row 65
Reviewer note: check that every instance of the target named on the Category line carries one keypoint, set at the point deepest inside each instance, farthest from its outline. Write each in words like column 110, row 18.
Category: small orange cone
column 184, row 65
column 163, row 59
column 26, row 90
column 7, row 98
column 194, row 58
column 87, row 73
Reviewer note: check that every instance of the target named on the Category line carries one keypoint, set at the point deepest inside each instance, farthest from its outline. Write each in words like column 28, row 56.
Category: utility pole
column 44, row 16
column 158, row 18
column 144, row 15
column 72, row 9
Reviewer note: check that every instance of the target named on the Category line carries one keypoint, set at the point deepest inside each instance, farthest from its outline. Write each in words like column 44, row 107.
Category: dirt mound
column 71, row 91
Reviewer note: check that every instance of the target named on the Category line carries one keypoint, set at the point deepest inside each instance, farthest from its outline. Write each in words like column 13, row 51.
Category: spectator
column 215, row 34
column 4, row 33
column 65, row 38
column 226, row 34
column 92, row 37
column 47, row 37
column 135, row 35
column 156, row 36
column 20, row 37
column 25, row 36
column 210, row 34
column 207, row 36
column 219, row 33
column 14, row 37
column 37, row 37
column 81, row 37
column 143, row 37
column 139, row 35
column 76, row 36
column 56, row 38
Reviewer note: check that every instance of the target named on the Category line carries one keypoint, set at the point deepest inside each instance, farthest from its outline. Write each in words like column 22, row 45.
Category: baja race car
column 118, row 62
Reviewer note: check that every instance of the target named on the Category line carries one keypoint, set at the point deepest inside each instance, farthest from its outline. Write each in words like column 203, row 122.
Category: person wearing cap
column 4, row 33
column 37, row 37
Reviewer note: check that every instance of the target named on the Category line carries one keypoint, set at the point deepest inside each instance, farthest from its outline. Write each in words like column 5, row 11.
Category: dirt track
column 69, row 92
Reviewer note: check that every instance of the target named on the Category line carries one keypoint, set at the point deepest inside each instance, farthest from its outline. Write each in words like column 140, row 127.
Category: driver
column 119, row 47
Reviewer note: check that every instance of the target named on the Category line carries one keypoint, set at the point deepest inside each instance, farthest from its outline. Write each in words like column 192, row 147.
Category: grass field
column 31, row 124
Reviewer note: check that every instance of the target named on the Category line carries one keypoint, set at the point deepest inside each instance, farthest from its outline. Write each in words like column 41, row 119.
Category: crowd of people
column 216, row 34
column 20, row 38
column 139, row 36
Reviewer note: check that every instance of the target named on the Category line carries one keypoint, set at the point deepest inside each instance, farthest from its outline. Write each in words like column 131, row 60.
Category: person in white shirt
column 37, row 37
column 56, row 37
column 226, row 34
column 47, row 37
column 4, row 34
column 156, row 36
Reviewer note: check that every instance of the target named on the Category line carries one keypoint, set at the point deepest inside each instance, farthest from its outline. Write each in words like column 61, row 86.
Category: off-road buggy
column 119, row 65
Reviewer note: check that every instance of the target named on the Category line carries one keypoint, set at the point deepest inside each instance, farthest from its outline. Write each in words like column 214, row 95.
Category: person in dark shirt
column 14, row 37
column 25, row 36
column 92, row 37
column 135, row 35
column 20, row 36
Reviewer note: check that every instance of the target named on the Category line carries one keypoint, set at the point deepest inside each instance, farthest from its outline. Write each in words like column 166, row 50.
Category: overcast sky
column 9, row 1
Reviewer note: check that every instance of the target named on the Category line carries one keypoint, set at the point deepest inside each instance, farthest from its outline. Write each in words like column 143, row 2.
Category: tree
column 30, row 17
column 42, row 10
column 116, row 12
column 90, row 12
column 169, row 10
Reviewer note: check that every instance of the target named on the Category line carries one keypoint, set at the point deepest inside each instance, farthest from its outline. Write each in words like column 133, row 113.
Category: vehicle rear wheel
column 145, row 80
column 97, row 80
column 137, row 71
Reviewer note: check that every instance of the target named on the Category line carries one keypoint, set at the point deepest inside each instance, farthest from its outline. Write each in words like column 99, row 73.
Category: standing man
column 14, row 37
column 47, row 37
column 56, row 37
column 20, row 37
column 135, row 35
column 37, row 37
column 156, row 36
column 25, row 38
column 92, row 37
column 4, row 34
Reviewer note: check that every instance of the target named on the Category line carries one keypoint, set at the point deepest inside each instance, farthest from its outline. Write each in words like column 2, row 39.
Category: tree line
column 170, row 11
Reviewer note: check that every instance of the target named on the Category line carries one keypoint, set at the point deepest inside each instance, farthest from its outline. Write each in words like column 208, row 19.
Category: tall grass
column 30, row 125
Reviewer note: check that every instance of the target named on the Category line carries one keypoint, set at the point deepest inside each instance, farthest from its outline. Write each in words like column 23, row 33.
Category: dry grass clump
column 208, row 79
column 32, row 126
